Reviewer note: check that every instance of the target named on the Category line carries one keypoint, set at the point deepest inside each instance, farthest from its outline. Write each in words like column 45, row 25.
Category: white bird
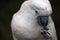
column 33, row 21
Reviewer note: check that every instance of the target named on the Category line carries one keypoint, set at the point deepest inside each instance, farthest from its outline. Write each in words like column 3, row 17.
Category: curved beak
column 42, row 20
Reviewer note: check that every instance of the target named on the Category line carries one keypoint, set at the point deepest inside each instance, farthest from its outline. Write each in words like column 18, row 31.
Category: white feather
column 24, row 24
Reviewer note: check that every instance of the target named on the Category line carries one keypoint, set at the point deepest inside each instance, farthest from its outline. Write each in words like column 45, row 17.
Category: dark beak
column 42, row 20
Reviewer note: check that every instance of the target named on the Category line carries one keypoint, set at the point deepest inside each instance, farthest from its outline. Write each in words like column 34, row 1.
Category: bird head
column 42, row 9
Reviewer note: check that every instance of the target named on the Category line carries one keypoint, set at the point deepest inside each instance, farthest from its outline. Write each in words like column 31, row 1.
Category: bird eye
column 36, row 12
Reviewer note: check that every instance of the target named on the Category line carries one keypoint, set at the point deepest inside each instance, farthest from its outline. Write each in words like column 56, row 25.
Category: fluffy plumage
column 24, row 23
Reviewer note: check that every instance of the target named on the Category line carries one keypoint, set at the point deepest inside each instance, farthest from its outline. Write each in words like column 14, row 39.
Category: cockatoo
column 33, row 21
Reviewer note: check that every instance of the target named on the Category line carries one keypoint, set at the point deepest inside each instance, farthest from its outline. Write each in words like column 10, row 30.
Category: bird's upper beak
column 42, row 20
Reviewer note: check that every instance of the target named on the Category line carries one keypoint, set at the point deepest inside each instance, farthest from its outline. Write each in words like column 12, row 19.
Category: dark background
column 9, row 7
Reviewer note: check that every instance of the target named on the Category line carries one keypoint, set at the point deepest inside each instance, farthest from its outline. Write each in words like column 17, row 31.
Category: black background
column 9, row 7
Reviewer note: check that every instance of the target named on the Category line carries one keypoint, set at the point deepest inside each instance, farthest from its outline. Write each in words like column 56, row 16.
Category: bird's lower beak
column 42, row 20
